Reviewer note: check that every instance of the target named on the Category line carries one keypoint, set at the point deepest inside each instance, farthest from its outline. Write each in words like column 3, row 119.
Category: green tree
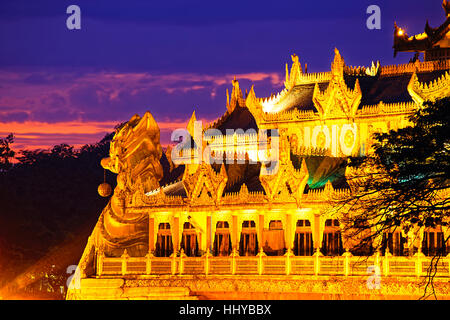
column 403, row 184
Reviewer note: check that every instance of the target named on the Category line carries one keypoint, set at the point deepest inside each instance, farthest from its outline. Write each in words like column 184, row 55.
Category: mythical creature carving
column 135, row 154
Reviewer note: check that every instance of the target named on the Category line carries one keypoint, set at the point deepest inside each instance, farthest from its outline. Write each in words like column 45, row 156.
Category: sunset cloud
column 44, row 108
column 42, row 135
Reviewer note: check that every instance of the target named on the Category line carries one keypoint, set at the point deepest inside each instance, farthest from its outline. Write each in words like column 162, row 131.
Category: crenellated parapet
column 235, row 139
column 290, row 115
column 311, row 152
column 268, row 103
column 158, row 198
column 373, row 70
column 421, row 91
column 388, row 108
column 325, row 194
column 314, row 77
column 243, row 197
column 418, row 66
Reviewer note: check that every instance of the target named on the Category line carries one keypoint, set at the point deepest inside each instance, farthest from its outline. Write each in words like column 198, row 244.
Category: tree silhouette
column 403, row 184
column 49, row 202
column 6, row 152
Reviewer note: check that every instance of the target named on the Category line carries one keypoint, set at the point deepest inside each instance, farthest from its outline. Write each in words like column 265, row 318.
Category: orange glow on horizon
column 42, row 135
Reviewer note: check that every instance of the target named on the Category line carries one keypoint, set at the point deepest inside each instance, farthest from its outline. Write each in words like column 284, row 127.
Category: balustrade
column 289, row 264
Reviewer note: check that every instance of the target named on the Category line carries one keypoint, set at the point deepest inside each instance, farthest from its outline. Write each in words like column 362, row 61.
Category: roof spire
column 296, row 71
column 191, row 123
column 337, row 67
column 236, row 95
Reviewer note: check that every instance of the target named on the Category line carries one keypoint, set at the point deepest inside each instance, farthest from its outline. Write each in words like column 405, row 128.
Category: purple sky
column 171, row 57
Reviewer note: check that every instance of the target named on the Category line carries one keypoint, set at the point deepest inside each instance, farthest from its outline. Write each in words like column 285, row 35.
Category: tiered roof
column 362, row 91
column 387, row 84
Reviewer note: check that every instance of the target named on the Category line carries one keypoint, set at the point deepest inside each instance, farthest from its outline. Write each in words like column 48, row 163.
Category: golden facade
column 235, row 230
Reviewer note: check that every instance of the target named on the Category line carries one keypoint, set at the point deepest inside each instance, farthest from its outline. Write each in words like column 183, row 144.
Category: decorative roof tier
column 308, row 96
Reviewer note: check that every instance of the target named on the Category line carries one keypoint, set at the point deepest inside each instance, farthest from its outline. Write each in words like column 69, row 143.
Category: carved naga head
column 135, row 154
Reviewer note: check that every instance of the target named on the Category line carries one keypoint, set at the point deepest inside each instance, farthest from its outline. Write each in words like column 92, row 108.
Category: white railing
column 289, row 264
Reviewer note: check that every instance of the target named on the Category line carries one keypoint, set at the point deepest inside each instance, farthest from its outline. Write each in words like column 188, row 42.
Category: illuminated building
column 242, row 231
column 433, row 42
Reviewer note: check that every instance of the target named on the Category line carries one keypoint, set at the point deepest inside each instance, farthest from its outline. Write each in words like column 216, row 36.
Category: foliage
column 403, row 183
column 49, row 197
column 6, row 152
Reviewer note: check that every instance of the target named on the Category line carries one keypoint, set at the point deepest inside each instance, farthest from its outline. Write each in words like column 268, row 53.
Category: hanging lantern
column 104, row 189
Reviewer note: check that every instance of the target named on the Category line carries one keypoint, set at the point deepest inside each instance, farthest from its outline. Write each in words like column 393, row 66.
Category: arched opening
column 189, row 242
column 248, row 246
column 164, row 246
column 433, row 242
column 273, row 239
column 332, row 239
column 303, row 242
column 360, row 238
column 395, row 242
column 222, row 239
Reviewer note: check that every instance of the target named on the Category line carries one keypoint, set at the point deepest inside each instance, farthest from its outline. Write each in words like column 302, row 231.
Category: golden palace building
column 183, row 229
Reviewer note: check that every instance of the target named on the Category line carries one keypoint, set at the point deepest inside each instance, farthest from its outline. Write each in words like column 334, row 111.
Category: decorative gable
column 337, row 100
column 286, row 184
column 237, row 98
column 205, row 186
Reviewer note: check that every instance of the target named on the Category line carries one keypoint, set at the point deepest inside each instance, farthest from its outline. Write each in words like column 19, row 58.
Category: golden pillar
column 151, row 234
column 234, row 234
column 288, row 230
column 260, row 231
column 209, row 238
column 318, row 232
column 176, row 234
